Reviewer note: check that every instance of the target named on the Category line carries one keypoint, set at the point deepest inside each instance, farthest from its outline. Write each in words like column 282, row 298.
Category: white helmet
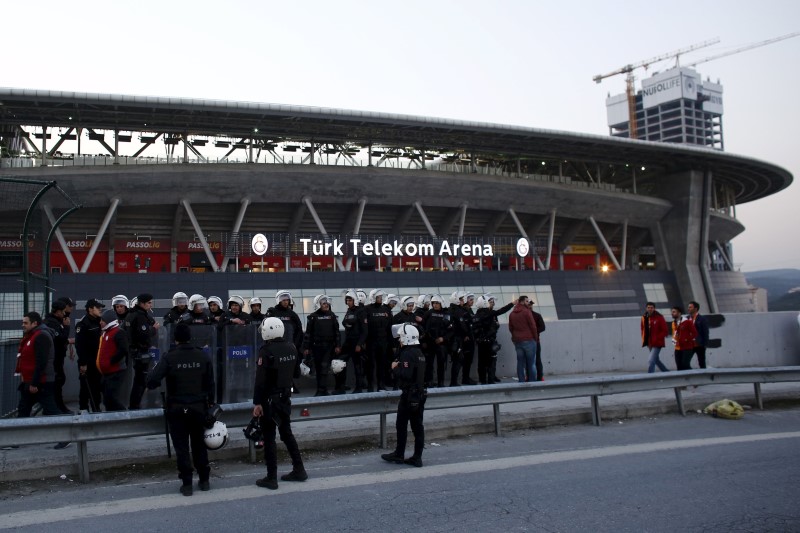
column 120, row 299
column 320, row 299
column 134, row 302
column 408, row 334
column 468, row 296
column 423, row 300
column 352, row 295
column 179, row 298
column 236, row 299
column 304, row 369
column 215, row 300
column 272, row 328
column 216, row 437
column 337, row 365
column 481, row 303
column 374, row 294
column 255, row 300
column 455, row 297
column 436, row 298
column 196, row 299
column 408, row 300
column 282, row 295
column 489, row 297
column 362, row 296
column 392, row 298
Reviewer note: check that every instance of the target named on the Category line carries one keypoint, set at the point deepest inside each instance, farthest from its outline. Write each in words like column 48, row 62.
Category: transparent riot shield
column 238, row 354
column 159, row 345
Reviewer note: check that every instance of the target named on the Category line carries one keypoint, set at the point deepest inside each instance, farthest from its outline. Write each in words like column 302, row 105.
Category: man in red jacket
column 112, row 360
column 524, row 335
column 35, row 366
column 654, row 331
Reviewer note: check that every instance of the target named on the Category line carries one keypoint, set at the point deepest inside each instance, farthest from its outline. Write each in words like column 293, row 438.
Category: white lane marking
column 169, row 501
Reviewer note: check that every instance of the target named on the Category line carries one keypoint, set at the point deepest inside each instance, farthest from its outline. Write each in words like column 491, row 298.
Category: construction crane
column 630, row 90
column 744, row 48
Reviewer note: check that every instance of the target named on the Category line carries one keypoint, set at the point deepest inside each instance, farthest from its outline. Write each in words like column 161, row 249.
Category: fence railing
column 86, row 427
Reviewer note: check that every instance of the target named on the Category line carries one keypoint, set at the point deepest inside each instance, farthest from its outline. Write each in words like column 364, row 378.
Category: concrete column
column 684, row 230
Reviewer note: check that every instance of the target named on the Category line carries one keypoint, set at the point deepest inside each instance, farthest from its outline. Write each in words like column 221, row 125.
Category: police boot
column 298, row 473
column 393, row 457
column 269, row 482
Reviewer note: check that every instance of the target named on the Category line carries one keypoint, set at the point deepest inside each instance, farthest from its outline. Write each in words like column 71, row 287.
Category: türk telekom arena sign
column 394, row 248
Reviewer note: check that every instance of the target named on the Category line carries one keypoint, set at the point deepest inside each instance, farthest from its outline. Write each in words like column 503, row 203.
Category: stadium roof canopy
column 750, row 178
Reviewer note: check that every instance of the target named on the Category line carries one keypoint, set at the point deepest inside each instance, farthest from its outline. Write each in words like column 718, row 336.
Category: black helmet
column 253, row 432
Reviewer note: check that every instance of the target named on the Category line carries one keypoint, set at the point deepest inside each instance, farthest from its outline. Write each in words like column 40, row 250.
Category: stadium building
column 172, row 193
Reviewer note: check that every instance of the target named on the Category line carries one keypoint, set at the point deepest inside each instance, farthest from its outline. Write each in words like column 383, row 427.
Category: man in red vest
column 112, row 360
column 35, row 366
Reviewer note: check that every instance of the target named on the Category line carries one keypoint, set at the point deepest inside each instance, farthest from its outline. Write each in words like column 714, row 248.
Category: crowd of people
column 689, row 333
column 406, row 344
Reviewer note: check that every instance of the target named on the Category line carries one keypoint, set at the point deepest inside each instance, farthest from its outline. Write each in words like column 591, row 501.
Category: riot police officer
column 292, row 326
column 141, row 327
column 215, row 308
column 461, row 334
column 379, row 340
column 485, row 326
column 409, row 373
column 255, row 310
column 120, row 304
column 180, row 308
column 468, row 344
column 198, row 314
column 272, row 401
column 190, row 391
column 355, row 336
column 438, row 326
column 321, row 341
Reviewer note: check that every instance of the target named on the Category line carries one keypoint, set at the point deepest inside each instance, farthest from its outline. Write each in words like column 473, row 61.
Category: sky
column 527, row 63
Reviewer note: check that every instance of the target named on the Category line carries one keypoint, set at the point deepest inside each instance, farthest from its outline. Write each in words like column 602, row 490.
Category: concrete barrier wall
column 614, row 344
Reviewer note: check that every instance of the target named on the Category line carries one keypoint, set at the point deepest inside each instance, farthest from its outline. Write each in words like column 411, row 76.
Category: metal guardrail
column 88, row 427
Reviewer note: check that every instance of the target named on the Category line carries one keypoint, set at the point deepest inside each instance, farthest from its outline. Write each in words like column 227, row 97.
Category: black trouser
column 349, row 355
column 404, row 415
column 438, row 353
column 457, row 360
column 112, row 391
column 701, row 356
column 487, row 362
column 277, row 414
column 140, row 368
column 91, row 393
column 44, row 396
column 322, row 354
column 58, row 383
column 378, row 361
column 539, row 374
column 187, row 428
column 468, row 349
column 683, row 359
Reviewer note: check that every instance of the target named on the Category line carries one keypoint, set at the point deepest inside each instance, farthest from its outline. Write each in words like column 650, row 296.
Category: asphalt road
column 654, row 474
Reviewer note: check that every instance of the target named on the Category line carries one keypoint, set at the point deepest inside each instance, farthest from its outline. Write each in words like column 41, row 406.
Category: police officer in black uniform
column 409, row 373
column 485, row 326
column 438, row 326
column 321, row 341
column 256, row 316
column 468, row 344
column 55, row 320
column 180, row 308
column 190, row 391
column 379, row 340
column 141, row 327
column 198, row 314
column 461, row 334
column 87, row 342
column 292, row 325
column 272, row 401
column 355, row 336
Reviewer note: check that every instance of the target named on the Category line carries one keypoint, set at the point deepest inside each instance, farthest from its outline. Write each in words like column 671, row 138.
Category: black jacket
column 60, row 334
column 189, row 373
column 274, row 370
column 175, row 315
column 322, row 327
column 410, row 369
column 438, row 324
column 87, row 340
column 139, row 326
column 355, row 326
column 379, row 322
column 292, row 326
column 485, row 323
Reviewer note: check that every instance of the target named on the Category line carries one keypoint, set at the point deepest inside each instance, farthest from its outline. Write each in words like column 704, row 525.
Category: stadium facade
column 173, row 192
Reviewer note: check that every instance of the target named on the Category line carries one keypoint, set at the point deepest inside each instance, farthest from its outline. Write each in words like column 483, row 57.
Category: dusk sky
column 512, row 62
